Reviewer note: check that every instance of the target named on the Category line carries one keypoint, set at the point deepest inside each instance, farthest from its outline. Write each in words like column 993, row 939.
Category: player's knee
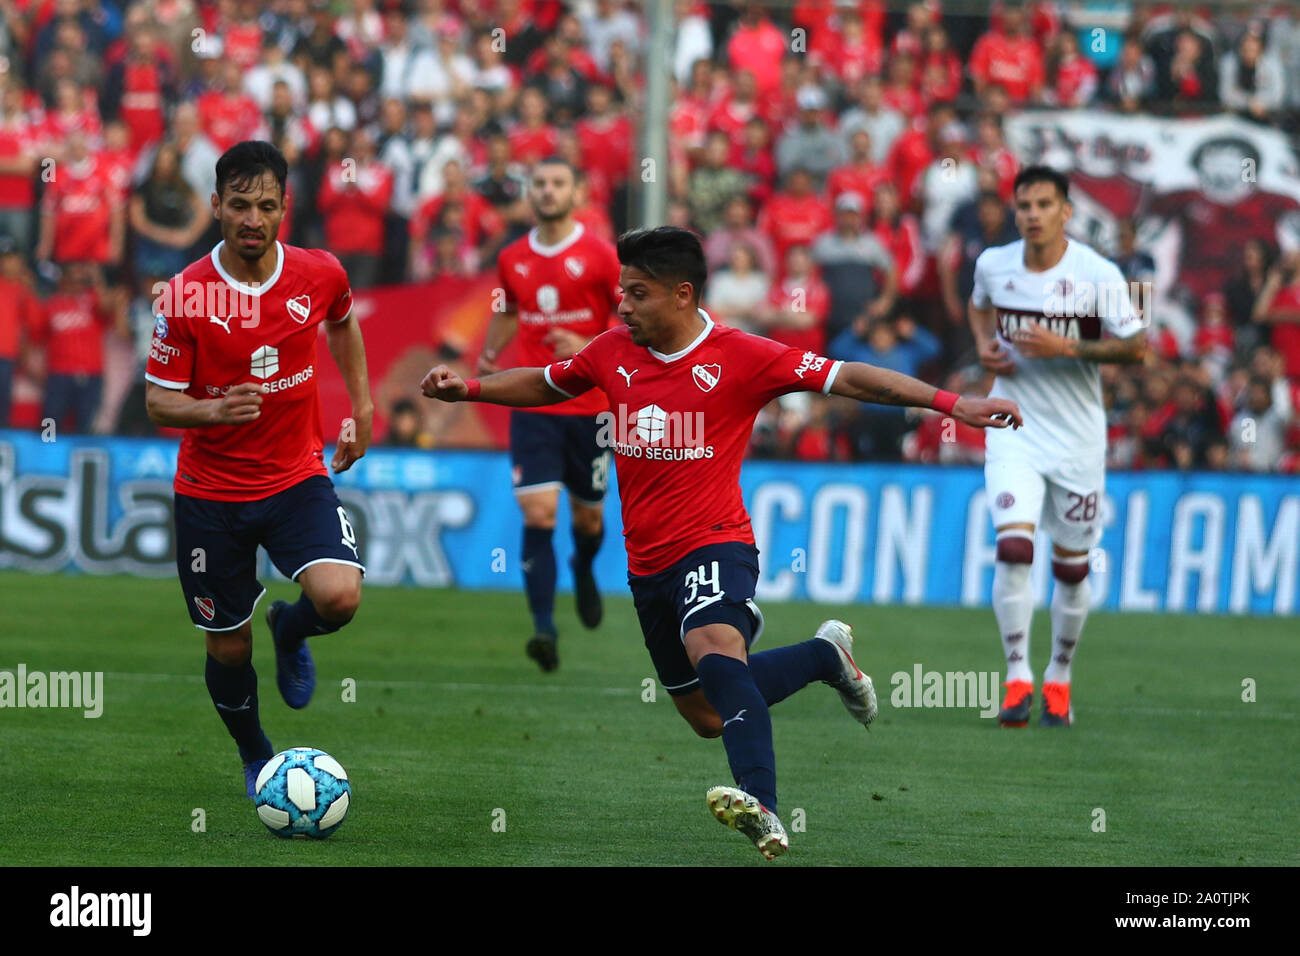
column 587, row 521
column 1070, row 572
column 1013, row 549
column 340, row 604
column 706, row 725
column 539, row 516
column 231, row 648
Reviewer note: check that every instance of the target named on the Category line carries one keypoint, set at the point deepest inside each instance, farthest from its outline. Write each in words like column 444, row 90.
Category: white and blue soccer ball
column 302, row 792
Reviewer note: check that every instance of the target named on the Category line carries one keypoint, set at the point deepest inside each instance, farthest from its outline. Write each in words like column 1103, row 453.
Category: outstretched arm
column 867, row 383
column 516, row 387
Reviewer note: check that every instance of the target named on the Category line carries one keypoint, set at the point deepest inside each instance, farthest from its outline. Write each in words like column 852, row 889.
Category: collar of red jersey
column 241, row 286
column 708, row 327
column 535, row 243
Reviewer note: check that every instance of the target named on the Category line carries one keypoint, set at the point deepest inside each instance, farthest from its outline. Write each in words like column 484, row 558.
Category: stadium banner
column 869, row 534
column 1198, row 189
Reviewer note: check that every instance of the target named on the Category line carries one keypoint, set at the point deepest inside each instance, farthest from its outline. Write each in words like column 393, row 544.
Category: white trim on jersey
column 240, row 286
column 546, row 374
column 536, row 245
column 830, row 377
column 708, row 327
column 178, row 386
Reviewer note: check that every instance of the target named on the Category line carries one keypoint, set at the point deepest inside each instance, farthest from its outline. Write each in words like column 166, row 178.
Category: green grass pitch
column 453, row 730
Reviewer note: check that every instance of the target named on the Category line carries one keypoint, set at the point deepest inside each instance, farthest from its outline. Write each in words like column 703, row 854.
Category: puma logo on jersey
column 628, row 375
column 521, row 268
column 225, row 325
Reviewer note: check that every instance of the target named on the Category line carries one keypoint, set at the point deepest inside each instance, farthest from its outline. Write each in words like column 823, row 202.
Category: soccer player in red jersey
column 684, row 394
column 233, row 361
column 560, row 285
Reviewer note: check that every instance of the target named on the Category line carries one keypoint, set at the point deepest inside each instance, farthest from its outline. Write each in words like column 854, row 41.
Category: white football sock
column 1013, row 606
column 1070, row 603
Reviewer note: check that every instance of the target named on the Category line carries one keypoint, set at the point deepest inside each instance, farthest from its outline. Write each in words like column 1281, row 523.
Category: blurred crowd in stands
column 843, row 162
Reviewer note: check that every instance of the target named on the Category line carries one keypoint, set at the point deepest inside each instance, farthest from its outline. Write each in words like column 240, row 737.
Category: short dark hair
column 558, row 161
column 245, row 163
column 667, row 254
column 1043, row 174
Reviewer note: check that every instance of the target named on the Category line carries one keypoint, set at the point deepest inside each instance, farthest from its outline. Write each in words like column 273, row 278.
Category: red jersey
column 679, row 425
column 1076, row 82
column 243, row 43
column 814, row 301
column 903, row 100
column 848, row 61
column 862, row 180
column 57, row 126
column 142, row 103
column 229, row 333
column 760, row 50
column 908, row 158
column 229, row 120
column 19, row 312
column 1285, row 333
column 794, row 221
column 80, row 199
column 354, row 207
column 17, row 191
column 572, row 284
column 606, row 147
column 730, row 117
column 1013, row 63
column 528, row 145
column 71, row 326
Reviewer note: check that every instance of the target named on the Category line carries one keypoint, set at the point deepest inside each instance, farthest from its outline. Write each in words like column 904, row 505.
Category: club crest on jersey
column 706, row 376
column 206, row 608
column 299, row 308
column 160, row 327
column 573, row 266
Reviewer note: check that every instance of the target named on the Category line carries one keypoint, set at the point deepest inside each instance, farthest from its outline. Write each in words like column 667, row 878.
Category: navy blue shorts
column 553, row 451
column 303, row 525
column 711, row 585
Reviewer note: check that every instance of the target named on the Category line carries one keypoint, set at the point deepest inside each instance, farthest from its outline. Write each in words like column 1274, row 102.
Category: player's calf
column 699, row 713
column 1013, row 600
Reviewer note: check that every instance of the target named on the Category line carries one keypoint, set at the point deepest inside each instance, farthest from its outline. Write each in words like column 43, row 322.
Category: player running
column 684, row 394
column 560, row 288
column 233, row 360
column 1038, row 310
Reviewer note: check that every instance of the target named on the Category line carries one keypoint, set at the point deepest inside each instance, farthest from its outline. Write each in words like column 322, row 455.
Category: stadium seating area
column 843, row 162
